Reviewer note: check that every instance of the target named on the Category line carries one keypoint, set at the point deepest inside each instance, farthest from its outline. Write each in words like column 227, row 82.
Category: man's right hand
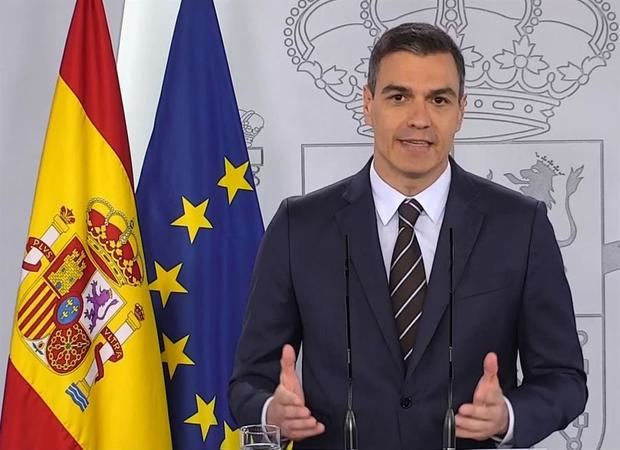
column 288, row 407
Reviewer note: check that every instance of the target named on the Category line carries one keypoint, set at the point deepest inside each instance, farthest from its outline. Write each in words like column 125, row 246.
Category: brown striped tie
column 407, row 277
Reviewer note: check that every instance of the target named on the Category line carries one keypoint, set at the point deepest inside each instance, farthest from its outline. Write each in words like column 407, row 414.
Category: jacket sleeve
column 553, row 391
column 271, row 320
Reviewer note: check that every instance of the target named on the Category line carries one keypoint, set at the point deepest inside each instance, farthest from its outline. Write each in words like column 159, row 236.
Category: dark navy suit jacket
column 511, row 297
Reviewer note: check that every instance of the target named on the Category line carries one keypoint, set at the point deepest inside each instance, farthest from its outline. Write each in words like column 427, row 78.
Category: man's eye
column 398, row 97
column 440, row 100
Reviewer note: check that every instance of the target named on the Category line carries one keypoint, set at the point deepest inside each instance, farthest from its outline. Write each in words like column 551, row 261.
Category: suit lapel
column 464, row 215
column 358, row 220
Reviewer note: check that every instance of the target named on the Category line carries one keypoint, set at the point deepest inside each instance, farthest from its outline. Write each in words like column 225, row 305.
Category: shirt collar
column 433, row 199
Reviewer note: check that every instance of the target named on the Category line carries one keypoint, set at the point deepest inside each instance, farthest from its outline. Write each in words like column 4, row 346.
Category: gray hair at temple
column 421, row 39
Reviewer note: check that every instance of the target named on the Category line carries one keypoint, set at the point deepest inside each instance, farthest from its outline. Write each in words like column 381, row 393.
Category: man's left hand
column 487, row 416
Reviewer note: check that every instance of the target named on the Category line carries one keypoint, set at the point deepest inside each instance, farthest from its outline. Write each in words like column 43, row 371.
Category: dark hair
column 420, row 39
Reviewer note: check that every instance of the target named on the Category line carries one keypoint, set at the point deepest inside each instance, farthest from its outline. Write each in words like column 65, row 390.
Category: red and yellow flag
column 85, row 368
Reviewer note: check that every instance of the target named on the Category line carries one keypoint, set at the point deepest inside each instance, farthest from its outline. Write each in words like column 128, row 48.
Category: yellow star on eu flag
column 194, row 218
column 232, row 439
column 204, row 416
column 234, row 179
column 166, row 282
column 174, row 354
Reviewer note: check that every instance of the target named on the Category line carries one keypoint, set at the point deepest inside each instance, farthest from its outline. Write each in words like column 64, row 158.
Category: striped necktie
column 407, row 277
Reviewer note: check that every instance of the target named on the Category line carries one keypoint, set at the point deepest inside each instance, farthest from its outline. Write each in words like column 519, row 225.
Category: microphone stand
column 449, row 424
column 350, row 427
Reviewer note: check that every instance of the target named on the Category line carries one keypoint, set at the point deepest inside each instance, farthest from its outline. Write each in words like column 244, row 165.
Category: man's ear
column 462, row 105
column 368, row 98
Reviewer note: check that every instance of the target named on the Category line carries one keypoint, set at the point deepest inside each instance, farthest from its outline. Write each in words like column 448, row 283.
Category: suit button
column 405, row 402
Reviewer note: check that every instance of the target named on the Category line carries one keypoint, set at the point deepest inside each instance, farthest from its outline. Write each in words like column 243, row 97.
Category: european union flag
column 201, row 226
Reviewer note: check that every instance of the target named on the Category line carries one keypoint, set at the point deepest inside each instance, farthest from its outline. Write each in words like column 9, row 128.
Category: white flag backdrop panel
column 543, row 116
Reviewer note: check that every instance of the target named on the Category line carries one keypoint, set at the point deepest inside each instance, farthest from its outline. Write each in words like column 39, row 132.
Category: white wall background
column 280, row 53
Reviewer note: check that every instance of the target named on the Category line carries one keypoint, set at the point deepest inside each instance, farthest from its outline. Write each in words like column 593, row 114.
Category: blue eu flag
column 201, row 226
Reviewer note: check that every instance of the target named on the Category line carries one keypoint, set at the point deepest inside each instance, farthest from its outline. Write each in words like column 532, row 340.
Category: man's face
column 415, row 111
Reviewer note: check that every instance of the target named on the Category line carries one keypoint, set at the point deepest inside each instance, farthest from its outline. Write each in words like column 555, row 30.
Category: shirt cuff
column 506, row 441
column 284, row 441
column 263, row 414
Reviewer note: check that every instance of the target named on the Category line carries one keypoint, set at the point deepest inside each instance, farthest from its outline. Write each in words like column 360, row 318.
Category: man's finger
column 488, row 390
column 471, row 424
column 288, row 375
column 491, row 367
column 294, row 412
column 298, row 435
column 287, row 361
column 468, row 434
column 475, row 412
column 309, row 423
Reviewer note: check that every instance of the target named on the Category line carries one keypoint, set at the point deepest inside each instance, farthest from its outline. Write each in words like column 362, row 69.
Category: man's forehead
column 412, row 71
column 403, row 61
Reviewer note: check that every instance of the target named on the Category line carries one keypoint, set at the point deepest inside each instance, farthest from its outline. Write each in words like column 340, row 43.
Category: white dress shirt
column 387, row 200
column 433, row 200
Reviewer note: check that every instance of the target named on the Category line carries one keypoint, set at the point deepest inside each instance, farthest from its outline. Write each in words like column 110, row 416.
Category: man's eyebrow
column 442, row 91
column 395, row 88
column 390, row 88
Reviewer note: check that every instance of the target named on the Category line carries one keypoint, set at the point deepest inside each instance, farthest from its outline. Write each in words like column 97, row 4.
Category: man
column 511, row 294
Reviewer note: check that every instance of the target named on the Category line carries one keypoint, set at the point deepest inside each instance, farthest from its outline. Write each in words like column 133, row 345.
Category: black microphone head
column 449, row 430
column 350, row 431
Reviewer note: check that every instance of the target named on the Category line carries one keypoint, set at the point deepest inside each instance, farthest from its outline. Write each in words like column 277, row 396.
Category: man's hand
column 288, row 407
column 487, row 416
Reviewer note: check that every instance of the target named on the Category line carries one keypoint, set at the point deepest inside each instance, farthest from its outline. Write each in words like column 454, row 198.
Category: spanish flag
column 85, row 368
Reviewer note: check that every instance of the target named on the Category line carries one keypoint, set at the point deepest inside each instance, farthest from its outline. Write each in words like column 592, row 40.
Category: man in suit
column 511, row 295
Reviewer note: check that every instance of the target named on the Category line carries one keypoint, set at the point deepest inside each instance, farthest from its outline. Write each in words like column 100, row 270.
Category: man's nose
column 418, row 115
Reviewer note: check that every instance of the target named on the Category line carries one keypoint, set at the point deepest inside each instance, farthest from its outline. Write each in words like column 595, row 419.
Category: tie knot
column 409, row 211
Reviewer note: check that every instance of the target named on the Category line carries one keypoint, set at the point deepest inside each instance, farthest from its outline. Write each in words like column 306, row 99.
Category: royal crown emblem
column 113, row 242
column 515, row 79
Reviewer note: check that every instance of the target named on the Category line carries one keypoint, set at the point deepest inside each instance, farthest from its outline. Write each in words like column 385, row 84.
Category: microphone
column 449, row 424
column 350, row 427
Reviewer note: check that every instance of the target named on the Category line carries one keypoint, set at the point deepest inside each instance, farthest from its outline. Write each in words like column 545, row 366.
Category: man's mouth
column 416, row 142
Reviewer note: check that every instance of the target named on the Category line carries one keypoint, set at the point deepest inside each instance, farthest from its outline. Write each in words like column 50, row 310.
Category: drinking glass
column 260, row 437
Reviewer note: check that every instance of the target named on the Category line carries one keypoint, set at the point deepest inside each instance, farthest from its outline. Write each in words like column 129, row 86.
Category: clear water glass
column 260, row 437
